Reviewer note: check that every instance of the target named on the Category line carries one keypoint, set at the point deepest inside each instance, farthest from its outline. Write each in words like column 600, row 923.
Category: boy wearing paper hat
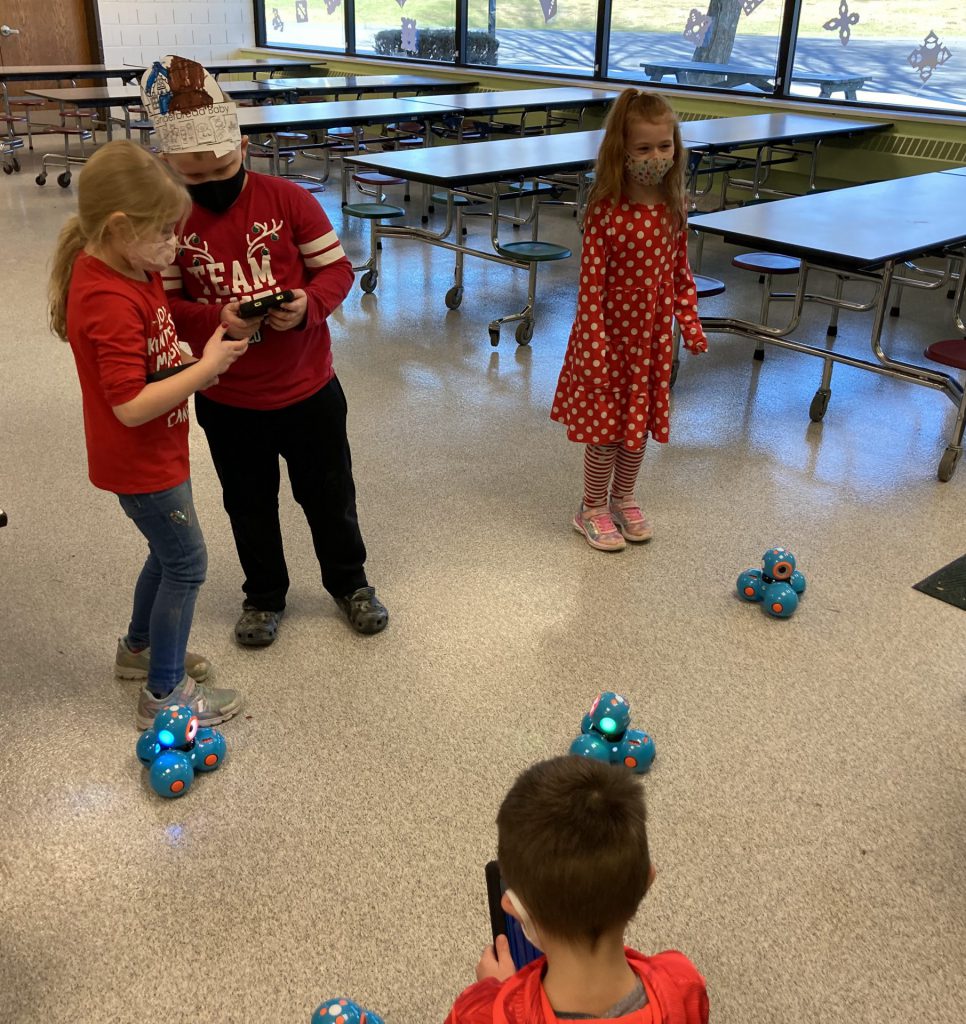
column 249, row 236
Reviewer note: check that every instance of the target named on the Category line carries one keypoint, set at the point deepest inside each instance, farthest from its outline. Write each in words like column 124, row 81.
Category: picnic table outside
column 736, row 75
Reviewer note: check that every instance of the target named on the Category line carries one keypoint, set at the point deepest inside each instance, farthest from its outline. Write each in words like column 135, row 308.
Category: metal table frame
column 839, row 232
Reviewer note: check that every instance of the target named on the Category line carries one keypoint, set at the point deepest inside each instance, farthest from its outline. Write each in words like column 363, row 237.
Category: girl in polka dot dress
column 634, row 278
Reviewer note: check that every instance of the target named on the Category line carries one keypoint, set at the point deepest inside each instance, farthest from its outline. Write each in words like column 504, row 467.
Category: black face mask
column 218, row 195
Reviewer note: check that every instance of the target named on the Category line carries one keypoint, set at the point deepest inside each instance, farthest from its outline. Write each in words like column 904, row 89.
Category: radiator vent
column 916, row 148
column 694, row 115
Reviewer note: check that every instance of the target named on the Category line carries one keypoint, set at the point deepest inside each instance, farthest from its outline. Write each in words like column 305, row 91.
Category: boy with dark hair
column 573, row 854
column 252, row 236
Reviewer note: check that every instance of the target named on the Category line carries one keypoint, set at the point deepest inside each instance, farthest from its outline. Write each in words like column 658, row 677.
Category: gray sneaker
column 210, row 705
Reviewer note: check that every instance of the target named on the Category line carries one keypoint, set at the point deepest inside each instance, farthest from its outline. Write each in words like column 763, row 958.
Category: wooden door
column 50, row 32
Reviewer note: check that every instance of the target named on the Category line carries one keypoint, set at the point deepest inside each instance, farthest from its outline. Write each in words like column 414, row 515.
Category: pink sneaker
column 598, row 528
column 630, row 520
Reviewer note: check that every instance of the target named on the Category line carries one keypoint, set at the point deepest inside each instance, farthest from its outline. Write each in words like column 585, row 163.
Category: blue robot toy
column 175, row 748
column 605, row 735
column 777, row 584
column 344, row 1011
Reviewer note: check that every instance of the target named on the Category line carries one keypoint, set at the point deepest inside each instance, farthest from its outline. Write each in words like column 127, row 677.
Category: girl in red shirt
column 107, row 300
column 634, row 277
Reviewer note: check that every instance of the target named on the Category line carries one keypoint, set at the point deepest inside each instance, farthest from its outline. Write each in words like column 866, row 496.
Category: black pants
column 311, row 436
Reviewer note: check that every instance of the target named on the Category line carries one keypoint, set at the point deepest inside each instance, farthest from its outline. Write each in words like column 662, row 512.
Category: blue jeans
column 166, row 591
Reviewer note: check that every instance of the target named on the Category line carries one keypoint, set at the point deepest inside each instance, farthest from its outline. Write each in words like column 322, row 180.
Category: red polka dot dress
column 634, row 280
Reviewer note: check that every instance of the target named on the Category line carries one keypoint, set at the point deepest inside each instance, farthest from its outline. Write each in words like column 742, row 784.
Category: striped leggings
column 609, row 467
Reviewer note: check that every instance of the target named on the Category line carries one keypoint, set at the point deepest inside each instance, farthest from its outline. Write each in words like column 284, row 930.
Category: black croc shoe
column 256, row 628
column 365, row 612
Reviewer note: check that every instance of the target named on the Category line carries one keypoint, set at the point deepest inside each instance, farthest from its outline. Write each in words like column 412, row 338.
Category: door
column 56, row 32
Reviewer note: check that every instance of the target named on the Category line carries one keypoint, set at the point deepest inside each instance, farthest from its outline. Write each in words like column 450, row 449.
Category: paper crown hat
column 189, row 111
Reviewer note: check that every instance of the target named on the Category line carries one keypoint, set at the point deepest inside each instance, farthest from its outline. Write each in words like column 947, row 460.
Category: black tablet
column 522, row 949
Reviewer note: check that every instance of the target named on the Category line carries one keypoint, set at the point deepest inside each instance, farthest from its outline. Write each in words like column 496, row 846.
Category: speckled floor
column 807, row 802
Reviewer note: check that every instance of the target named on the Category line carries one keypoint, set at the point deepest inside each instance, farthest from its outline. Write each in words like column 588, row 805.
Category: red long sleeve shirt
column 676, row 994
column 274, row 236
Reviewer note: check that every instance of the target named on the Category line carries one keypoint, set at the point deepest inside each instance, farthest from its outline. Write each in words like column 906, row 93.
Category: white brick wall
column 140, row 31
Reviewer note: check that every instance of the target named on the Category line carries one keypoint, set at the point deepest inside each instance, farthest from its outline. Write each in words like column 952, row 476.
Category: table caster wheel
column 368, row 281
column 524, row 332
column 454, row 297
column 63, row 179
column 494, row 336
column 674, row 372
column 8, row 168
column 41, row 179
column 819, row 406
column 947, row 464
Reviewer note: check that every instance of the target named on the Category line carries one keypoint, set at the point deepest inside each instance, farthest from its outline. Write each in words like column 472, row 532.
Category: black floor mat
column 948, row 584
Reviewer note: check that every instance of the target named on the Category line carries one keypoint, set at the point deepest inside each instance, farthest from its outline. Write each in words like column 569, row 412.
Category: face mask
column 523, row 916
column 649, row 170
column 152, row 255
column 218, row 195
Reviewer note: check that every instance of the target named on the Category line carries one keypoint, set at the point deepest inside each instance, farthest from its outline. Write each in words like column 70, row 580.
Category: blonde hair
column 120, row 177
column 609, row 173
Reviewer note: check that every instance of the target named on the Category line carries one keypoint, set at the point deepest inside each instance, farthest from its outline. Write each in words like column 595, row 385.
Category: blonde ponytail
column 69, row 244
column 121, row 177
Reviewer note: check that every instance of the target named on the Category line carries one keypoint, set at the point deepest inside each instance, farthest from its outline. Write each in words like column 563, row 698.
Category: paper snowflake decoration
column 410, row 38
column 696, row 30
column 843, row 23
column 926, row 58
column 301, row 11
column 401, row 3
column 750, row 6
column 331, row 6
column 549, row 8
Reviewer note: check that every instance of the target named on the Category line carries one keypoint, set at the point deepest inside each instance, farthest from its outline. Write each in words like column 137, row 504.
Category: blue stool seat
column 533, row 252
column 707, row 286
column 373, row 211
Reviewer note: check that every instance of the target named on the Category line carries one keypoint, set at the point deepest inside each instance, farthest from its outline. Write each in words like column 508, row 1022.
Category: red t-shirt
column 274, row 236
column 676, row 994
column 120, row 330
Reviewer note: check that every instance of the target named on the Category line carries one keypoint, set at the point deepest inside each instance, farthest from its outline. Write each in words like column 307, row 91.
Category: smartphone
column 259, row 307
column 168, row 371
column 522, row 950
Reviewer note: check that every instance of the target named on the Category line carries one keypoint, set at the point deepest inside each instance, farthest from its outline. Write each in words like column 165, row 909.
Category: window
column 910, row 54
column 537, row 35
column 660, row 41
column 899, row 53
column 407, row 28
column 315, row 24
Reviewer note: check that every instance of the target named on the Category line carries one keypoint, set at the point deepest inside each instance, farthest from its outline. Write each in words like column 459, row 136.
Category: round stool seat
column 292, row 136
column 27, row 101
column 951, row 352
column 767, row 263
column 533, row 252
column 375, row 178
column 707, row 286
column 372, row 211
column 458, row 200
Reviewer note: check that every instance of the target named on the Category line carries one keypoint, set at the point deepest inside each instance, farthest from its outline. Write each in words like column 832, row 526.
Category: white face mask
column 648, row 170
column 523, row 916
column 152, row 255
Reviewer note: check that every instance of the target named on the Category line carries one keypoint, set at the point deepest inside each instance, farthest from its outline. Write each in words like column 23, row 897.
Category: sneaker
column 630, row 520
column 133, row 665
column 210, row 705
column 365, row 612
column 256, row 628
column 598, row 527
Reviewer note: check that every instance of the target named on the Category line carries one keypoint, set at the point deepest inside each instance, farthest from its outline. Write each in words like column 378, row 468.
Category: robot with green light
column 605, row 735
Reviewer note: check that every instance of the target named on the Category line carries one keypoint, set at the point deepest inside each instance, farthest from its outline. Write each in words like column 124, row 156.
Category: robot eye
column 782, row 570
column 192, row 730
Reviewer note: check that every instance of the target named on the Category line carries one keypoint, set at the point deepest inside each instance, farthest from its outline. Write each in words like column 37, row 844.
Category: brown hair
column 120, row 177
column 609, row 172
column 573, row 846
